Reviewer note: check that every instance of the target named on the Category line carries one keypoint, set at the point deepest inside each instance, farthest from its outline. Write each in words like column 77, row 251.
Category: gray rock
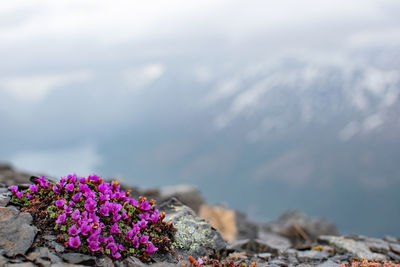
column 374, row 244
column 194, row 236
column 394, row 256
column 133, row 262
column 279, row 262
column 245, row 228
column 312, row 255
column 3, row 260
column 377, row 245
column 104, row 261
column 47, row 255
column 395, row 248
column 49, row 237
column 302, row 231
column 23, row 264
column 328, row 263
column 9, row 176
column 265, row 256
column 4, row 199
column 390, row 239
column 78, row 258
column 162, row 256
column 64, row 264
column 259, row 246
column 276, row 243
column 346, row 245
column 16, row 233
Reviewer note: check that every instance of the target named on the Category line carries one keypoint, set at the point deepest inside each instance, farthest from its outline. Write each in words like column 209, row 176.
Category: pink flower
column 103, row 198
column 155, row 217
column 144, row 205
column 151, row 248
column 103, row 187
column 74, row 242
column 29, row 196
column 73, row 231
column 61, row 218
column 93, row 245
column 129, row 234
column 13, row 189
column 45, row 184
column 67, row 209
column 20, row 194
column 114, row 229
column 76, row 215
column 83, row 188
column 85, row 229
column 82, row 180
column 71, row 178
column 142, row 224
column 104, row 211
column 134, row 202
column 144, row 239
column 135, row 241
column 40, row 180
column 61, row 183
column 34, row 188
column 76, row 197
column 90, row 205
column 144, row 216
column 69, row 187
column 94, row 218
column 60, row 203
column 116, row 217
column 56, row 190
column 116, row 255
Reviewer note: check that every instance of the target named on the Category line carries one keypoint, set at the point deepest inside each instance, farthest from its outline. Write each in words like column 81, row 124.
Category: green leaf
column 63, row 228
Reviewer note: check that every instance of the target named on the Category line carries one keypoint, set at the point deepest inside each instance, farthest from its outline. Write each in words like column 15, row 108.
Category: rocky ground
column 214, row 232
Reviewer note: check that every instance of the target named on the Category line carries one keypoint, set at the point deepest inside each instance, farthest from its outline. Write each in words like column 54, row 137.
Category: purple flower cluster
column 97, row 216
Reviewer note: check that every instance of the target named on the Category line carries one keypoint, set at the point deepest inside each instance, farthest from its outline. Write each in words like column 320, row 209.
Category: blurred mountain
column 265, row 134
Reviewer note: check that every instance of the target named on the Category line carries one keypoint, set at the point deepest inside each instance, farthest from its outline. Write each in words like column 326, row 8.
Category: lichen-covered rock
column 346, row 245
column 16, row 233
column 195, row 236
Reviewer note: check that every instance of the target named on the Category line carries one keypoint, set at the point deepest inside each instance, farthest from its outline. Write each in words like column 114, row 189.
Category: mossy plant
column 92, row 216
